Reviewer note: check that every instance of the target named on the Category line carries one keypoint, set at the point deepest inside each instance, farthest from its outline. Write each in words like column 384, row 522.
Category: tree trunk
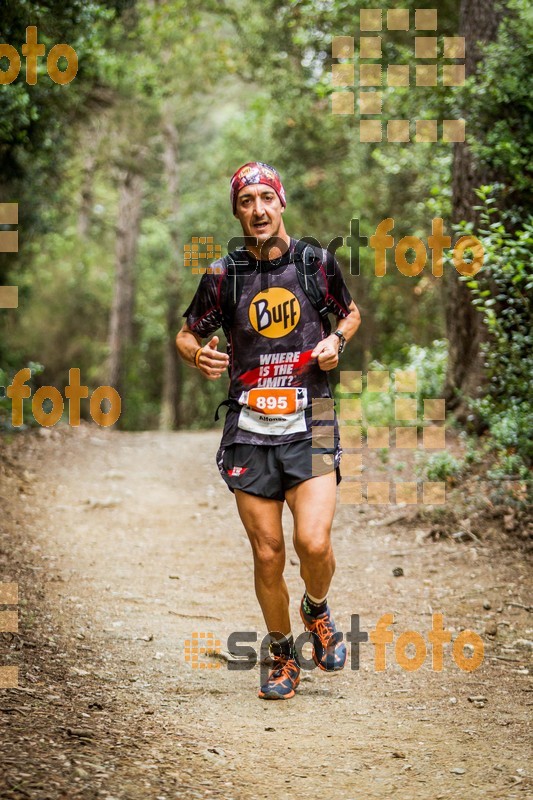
column 92, row 139
column 479, row 22
column 121, row 324
column 171, row 401
column 86, row 195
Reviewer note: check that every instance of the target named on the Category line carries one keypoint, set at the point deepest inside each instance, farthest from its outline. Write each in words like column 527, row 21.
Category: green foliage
column 509, row 467
column 383, row 454
column 38, row 123
column 500, row 104
column 473, row 454
column 33, row 117
column 442, row 466
column 430, row 366
column 502, row 294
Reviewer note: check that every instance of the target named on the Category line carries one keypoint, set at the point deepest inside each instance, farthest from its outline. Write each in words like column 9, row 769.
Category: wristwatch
column 342, row 340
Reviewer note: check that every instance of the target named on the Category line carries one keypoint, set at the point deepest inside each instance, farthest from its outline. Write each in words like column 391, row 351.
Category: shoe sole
column 325, row 669
column 317, row 662
column 276, row 696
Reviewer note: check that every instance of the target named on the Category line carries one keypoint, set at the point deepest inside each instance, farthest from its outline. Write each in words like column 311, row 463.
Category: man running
column 272, row 298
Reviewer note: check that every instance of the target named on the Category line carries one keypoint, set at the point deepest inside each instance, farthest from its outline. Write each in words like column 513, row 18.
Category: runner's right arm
column 202, row 318
column 207, row 358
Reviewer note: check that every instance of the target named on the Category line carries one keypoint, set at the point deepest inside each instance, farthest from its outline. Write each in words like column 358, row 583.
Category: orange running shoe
column 329, row 651
column 282, row 680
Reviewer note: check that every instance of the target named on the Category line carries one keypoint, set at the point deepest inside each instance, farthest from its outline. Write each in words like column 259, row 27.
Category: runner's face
column 259, row 211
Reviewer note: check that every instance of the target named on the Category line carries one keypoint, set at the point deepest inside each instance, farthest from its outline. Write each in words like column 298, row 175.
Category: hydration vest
column 307, row 258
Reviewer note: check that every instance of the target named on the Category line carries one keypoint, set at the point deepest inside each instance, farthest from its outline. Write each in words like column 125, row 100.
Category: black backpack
column 308, row 260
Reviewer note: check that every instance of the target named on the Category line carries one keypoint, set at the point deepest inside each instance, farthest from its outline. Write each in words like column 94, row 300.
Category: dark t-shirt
column 274, row 330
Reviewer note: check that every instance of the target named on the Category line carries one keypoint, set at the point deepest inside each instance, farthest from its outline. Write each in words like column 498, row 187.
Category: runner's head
column 256, row 172
column 258, row 201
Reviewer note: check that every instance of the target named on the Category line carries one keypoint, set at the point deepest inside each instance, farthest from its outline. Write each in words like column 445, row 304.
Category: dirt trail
column 129, row 543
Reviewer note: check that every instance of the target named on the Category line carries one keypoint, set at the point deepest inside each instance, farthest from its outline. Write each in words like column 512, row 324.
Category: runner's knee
column 317, row 546
column 269, row 555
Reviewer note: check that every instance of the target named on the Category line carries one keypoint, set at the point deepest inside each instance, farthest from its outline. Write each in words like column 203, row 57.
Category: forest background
column 115, row 172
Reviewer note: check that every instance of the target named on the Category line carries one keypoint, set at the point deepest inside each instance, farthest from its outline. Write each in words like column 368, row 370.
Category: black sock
column 283, row 647
column 314, row 609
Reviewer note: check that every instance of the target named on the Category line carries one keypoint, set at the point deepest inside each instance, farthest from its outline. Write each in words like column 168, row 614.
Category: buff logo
column 275, row 312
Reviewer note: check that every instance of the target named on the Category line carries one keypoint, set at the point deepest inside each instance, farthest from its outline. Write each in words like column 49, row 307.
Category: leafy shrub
column 442, row 466
column 502, row 294
column 499, row 103
column 430, row 366
column 473, row 454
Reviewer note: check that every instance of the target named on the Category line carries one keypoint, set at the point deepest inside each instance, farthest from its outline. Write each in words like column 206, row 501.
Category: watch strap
column 342, row 340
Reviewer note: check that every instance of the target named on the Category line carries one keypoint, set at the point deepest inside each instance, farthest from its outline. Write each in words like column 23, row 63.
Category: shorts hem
column 338, row 478
column 255, row 494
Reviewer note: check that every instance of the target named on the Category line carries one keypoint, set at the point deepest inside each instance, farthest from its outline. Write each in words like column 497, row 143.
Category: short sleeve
column 338, row 298
column 203, row 315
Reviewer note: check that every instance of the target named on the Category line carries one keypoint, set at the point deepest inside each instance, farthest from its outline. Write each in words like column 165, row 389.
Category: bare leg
column 312, row 504
column 262, row 520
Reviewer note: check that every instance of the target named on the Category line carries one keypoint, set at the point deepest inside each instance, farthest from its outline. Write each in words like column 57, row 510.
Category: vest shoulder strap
column 308, row 261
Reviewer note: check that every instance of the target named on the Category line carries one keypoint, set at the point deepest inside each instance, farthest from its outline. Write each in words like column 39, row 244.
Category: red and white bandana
column 256, row 172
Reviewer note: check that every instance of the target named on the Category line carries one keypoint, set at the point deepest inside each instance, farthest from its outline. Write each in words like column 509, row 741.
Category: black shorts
column 269, row 470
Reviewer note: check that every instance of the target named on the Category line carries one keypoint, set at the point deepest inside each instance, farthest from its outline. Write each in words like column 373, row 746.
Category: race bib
column 275, row 401
column 273, row 411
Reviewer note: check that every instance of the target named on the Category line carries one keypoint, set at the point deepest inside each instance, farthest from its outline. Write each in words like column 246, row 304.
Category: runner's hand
column 212, row 363
column 327, row 352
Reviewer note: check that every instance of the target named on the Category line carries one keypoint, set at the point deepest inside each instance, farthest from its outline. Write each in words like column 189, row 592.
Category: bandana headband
column 256, row 172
